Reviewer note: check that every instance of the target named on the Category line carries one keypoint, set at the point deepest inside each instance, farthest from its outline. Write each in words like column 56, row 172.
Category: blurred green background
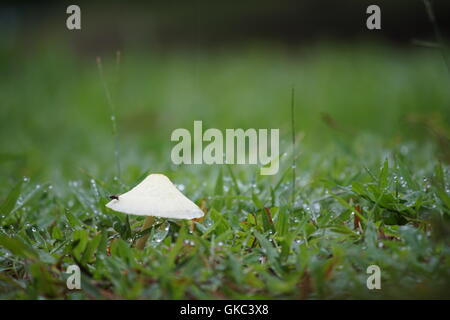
column 230, row 65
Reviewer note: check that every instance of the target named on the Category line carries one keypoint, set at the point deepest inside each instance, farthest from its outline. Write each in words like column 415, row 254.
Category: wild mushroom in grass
column 155, row 196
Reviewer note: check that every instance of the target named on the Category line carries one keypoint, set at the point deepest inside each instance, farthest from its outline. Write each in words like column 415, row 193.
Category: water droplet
column 316, row 207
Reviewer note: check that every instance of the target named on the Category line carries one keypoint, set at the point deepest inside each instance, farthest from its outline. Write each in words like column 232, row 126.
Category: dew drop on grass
column 316, row 207
column 95, row 189
column 20, row 201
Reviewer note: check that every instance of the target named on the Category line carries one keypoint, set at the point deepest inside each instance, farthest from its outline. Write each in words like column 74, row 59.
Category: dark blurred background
column 163, row 24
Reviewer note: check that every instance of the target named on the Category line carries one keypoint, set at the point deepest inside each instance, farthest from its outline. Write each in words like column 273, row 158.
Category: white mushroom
column 155, row 196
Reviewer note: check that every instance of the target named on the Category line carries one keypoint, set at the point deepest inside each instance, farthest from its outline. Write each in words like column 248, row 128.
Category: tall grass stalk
column 437, row 32
column 294, row 156
column 112, row 111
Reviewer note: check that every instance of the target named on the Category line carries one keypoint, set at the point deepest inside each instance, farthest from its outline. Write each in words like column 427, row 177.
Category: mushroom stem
column 140, row 243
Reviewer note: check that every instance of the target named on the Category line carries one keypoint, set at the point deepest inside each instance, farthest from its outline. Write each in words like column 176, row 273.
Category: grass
column 371, row 175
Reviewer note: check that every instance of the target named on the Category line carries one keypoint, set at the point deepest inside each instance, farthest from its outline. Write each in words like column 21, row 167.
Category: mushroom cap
column 156, row 196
